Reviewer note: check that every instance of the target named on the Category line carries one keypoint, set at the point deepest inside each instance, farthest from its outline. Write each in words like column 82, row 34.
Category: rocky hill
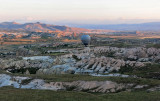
column 39, row 27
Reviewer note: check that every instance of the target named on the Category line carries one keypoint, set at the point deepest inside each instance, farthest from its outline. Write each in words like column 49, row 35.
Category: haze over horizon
column 65, row 12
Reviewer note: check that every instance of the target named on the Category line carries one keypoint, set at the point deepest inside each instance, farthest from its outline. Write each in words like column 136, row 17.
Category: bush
column 75, row 57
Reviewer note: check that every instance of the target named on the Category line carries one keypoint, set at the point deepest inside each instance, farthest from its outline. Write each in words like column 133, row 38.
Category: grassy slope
column 133, row 96
column 12, row 94
column 148, row 71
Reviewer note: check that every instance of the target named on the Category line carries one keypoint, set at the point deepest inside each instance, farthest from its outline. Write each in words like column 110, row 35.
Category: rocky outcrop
column 25, row 52
column 27, row 62
column 104, row 64
column 86, row 86
column 87, row 63
column 18, row 64
column 133, row 54
column 157, row 88
column 95, row 86
column 91, row 60
column 58, row 69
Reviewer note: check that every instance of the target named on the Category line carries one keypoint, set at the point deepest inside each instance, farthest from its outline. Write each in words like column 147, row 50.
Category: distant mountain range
column 38, row 27
column 152, row 26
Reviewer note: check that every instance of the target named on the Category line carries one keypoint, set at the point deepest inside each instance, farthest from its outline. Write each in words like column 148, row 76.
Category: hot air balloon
column 85, row 39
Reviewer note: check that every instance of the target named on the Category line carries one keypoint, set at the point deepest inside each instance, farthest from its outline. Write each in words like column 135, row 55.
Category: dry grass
column 26, row 40
column 18, row 41
column 15, row 43
column 66, row 40
column 129, row 36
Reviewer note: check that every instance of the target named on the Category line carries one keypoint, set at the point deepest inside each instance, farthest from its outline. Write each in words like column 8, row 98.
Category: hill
column 39, row 27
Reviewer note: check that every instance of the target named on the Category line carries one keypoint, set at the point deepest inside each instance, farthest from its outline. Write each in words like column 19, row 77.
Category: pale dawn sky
column 82, row 11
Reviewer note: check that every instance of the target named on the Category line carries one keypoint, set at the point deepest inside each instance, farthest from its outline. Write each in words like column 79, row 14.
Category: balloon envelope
column 85, row 39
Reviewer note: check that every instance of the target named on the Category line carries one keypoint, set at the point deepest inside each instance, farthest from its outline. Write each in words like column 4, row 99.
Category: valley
column 115, row 63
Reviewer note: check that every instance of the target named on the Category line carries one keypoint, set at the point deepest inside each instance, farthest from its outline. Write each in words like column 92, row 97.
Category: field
column 17, row 41
column 12, row 94
column 129, row 36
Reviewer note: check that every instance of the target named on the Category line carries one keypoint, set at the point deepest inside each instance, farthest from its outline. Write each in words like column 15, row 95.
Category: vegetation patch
column 148, row 71
column 26, row 81
column 23, row 70
column 75, row 57
column 13, row 94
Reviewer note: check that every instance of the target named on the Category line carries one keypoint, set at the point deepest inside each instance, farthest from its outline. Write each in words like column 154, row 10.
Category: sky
column 80, row 11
